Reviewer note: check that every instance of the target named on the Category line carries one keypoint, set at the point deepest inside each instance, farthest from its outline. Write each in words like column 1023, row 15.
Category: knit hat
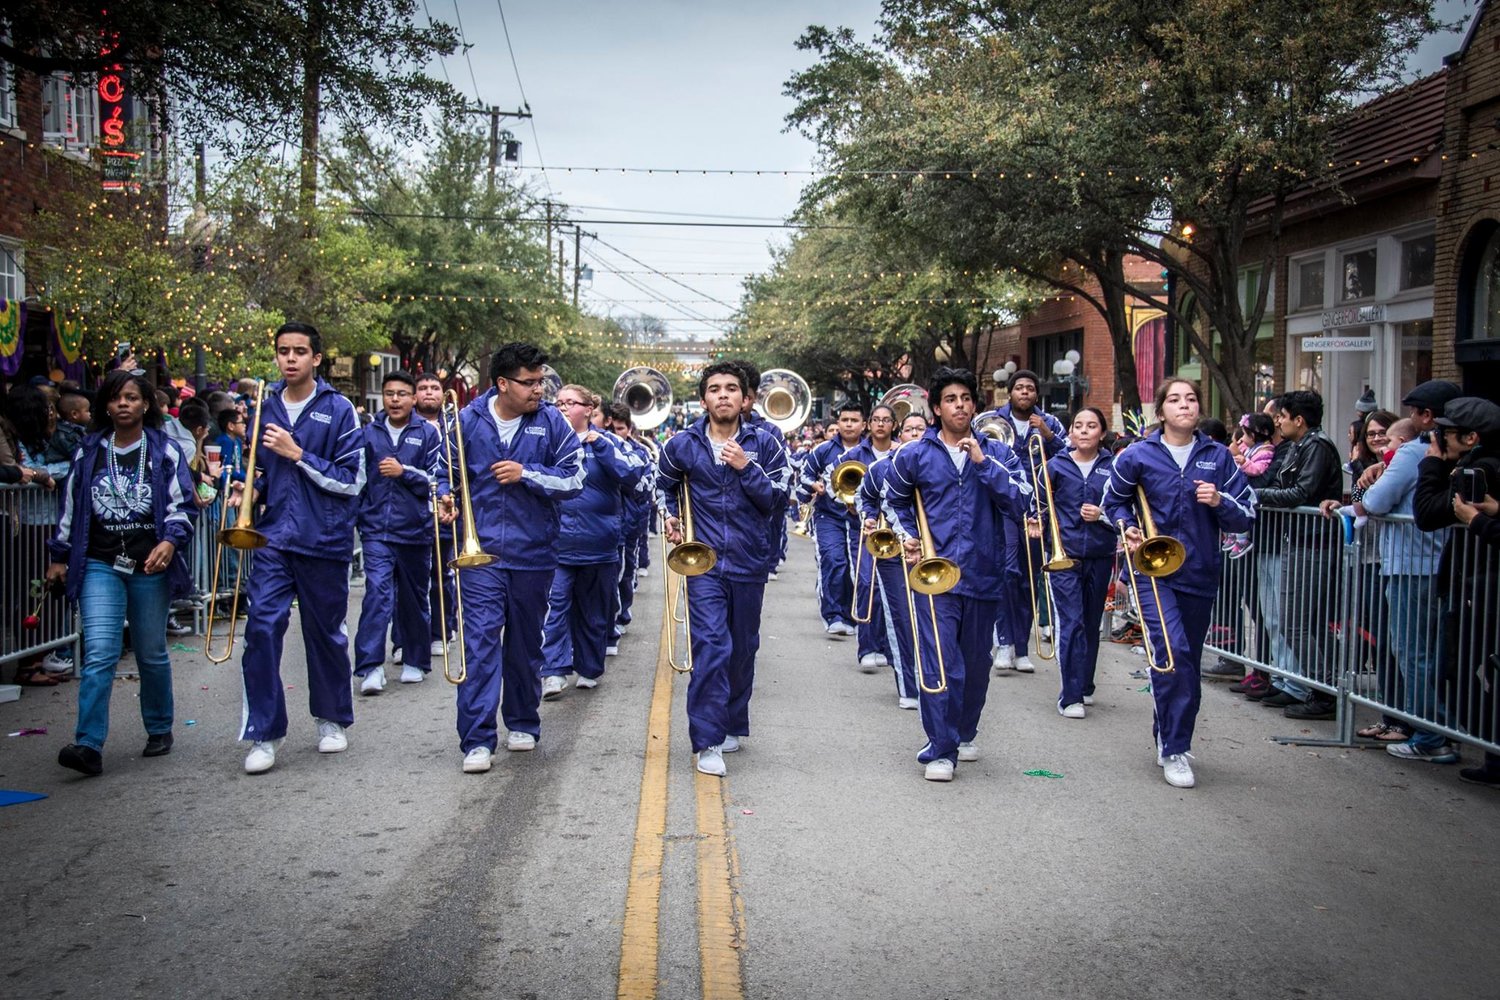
column 1366, row 402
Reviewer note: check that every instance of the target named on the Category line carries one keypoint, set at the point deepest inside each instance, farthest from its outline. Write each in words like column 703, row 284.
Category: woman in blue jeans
column 120, row 549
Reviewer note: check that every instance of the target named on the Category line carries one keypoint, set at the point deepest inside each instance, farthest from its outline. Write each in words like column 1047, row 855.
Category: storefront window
column 1417, row 259
column 1414, row 341
column 1357, row 275
column 1307, row 367
column 1487, row 293
column 1310, row 284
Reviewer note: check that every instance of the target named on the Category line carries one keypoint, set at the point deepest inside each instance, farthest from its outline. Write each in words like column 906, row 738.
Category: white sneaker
column 439, row 647
column 613, row 649
column 773, row 575
column 711, row 761
column 331, row 738
column 1046, row 631
column 1073, row 711
column 1178, row 771
column 906, row 703
column 586, row 682
column 621, row 629
column 520, row 742
column 262, row 757
column 54, row 664
column 731, row 744
column 373, row 682
column 553, row 685
column 871, row 662
column 1024, row 665
column 968, row 753
column 939, row 770
column 412, row 675
column 1088, row 699
column 397, row 656
column 846, row 629
column 643, row 571
column 835, row 630
column 1001, row 657
column 477, row 761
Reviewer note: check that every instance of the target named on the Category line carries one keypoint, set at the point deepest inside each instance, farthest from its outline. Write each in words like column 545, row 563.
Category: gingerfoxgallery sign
column 1325, row 344
column 1353, row 316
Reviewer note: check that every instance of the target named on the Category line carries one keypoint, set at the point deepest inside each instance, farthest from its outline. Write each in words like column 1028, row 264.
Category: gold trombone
column 467, row 554
column 1057, row 559
column 1157, row 556
column 881, row 542
column 930, row 575
column 845, row 481
column 241, row 536
column 687, row 558
column 803, row 526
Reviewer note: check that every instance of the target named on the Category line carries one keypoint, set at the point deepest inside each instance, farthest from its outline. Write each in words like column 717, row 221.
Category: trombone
column 881, row 542
column 688, row 557
column 1157, row 556
column 931, row 575
column 467, row 554
column 803, row 526
column 241, row 536
column 1057, row 559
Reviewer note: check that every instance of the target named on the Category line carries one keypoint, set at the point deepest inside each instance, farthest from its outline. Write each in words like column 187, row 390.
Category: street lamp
column 1065, row 369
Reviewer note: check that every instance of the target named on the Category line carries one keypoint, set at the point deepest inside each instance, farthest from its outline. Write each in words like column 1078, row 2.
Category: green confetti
column 1144, row 687
column 182, row 647
column 1041, row 774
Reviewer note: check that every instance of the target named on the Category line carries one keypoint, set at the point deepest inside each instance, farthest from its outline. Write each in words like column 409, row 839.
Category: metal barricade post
column 32, row 621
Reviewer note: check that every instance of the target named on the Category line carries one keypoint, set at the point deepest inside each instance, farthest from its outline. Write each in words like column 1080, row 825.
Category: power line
column 463, row 39
column 462, row 217
column 442, row 63
column 636, row 260
column 516, row 67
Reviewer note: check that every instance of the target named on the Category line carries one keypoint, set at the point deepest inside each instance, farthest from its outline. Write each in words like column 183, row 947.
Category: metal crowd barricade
column 205, row 549
column 28, row 518
column 1363, row 615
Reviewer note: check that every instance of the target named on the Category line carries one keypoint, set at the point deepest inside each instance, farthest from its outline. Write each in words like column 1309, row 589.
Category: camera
column 1473, row 485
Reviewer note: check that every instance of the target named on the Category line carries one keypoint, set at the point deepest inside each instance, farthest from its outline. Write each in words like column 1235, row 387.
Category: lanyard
column 119, row 484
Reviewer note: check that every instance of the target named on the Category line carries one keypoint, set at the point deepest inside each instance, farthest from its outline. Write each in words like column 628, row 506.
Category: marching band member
column 634, row 517
column 1078, row 479
column 874, row 649
column 395, row 527
column 1195, row 492
column 522, row 460
column 311, row 460
column 1013, row 627
column 835, row 526
column 581, row 606
column 890, row 590
column 429, row 406
column 718, row 461
column 970, row 487
column 753, row 417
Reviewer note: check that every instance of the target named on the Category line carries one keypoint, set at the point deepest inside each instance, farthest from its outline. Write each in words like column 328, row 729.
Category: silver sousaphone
column 784, row 399
column 646, row 393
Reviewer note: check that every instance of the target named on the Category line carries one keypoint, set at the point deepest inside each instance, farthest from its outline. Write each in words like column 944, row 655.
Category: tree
column 1028, row 134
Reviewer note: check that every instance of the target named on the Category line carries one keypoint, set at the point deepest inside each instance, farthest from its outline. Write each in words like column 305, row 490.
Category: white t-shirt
column 718, row 447
column 396, row 432
column 1180, row 453
column 294, row 410
column 880, row 454
column 1084, row 467
column 1021, row 425
column 957, row 454
column 505, row 428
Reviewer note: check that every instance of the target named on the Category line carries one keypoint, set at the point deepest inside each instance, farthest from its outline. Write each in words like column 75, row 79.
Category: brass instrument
column 803, row 526
column 241, row 536
column 881, row 542
column 1157, row 556
column 687, row 558
column 784, row 399
column 996, row 427
column 1057, row 559
column 845, row 480
column 552, row 383
column 904, row 400
column 466, row 554
column 646, row 393
column 931, row 575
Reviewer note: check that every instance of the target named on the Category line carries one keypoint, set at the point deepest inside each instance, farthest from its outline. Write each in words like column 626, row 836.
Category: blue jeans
column 108, row 600
column 1414, row 624
column 1268, row 584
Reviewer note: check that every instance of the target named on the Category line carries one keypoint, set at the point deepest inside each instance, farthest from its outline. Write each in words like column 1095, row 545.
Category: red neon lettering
column 114, row 129
column 111, row 88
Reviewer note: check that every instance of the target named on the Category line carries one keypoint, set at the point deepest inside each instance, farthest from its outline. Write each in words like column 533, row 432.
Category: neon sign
column 114, row 120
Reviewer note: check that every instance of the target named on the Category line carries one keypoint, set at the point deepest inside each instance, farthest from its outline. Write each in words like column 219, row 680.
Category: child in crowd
column 1252, row 450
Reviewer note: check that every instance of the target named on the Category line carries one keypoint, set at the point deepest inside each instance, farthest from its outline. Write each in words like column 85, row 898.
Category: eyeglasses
column 529, row 383
column 572, row 402
column 396, row 394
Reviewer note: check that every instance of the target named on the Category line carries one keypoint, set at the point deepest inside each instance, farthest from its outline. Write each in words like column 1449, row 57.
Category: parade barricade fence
column 1372, row 615
column 31, row 621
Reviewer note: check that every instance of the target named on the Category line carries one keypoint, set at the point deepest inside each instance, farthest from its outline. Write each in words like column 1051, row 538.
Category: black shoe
column 84, row 760
column 157, row 745
column 1279, row 699
column 1312, row 710
column 1487, row 776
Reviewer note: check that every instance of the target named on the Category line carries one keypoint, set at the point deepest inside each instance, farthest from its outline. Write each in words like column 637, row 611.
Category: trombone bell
column 882, row 543
column 846, row 479
column 1160, row 556
column 935, row 575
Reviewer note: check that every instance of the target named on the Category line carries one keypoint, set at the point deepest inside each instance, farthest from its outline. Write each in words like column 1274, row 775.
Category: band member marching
column 1194, row 491
column 581, row 606
column 1013, row 627
column 521, row 460
column 874, row 649
column 402, row 452
column 718, row 462
column 635, row 516
column 752, row 416
column 886, row 574
column 835, row 526
column 311, row 459
column 969, row 488
column 1078, row 477
column 429, row 406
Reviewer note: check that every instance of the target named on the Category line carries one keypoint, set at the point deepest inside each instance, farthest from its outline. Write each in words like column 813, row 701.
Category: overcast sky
column 668, row 84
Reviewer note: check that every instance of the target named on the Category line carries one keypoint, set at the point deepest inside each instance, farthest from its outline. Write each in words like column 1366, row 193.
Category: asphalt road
column 385, row 872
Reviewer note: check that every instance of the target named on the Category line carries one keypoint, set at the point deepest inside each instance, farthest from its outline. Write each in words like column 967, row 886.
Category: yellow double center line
column 720, row 913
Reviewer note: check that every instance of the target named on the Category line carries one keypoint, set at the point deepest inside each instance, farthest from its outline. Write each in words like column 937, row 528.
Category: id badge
column 124, row 564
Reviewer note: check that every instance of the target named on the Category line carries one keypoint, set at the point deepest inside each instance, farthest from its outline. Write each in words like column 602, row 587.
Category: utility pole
column 562, row 263
column 200, row 173
column 577, row 262
column 548, row 203
column 495, row 114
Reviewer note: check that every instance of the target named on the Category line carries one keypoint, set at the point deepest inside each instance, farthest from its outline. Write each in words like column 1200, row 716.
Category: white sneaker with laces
column 907, row 703
column 731, row 744
column 477, row 761
column 1073, row 711
column 331, row 738
column 711, row 761
column 968, row 753
column 1178, row 770
column 643, row 571
column 1024, row 665
column 871, row 662
column 586, row 682
column 439, row 647
column 833, row 630
column 373, row 682
column 939, row 770
column 412, row 675
column 397, row 656
column 1001, row 657
column 262, row 757
column 552, row 686
column 520, row 742
column 613, row 649
column 846, row 629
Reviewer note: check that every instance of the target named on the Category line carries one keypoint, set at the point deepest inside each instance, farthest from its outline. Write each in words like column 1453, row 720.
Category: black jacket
column 1310, row 473
column 1432, row 506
